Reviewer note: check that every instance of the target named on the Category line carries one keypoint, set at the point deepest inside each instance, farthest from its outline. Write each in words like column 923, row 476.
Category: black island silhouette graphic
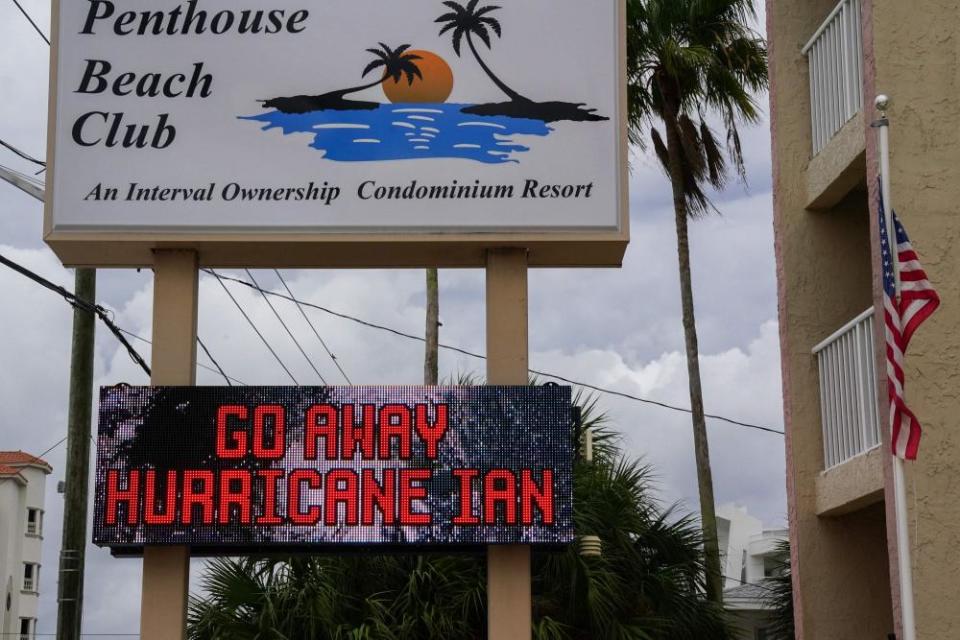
column 465, row 24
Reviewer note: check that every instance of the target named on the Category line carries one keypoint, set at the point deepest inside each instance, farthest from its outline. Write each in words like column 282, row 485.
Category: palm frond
column 716, row 163
column 481, row 31
column 458, row 35
column 482, row 11
column 661, row 149
column 494, row 24
column 695, row 57
column 374, row 65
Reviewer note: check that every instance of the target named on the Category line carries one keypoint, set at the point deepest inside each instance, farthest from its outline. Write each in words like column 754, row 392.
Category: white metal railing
column 835, row 57
column 848, row 391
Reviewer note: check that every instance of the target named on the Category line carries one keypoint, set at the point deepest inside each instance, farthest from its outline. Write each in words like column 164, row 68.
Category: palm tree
column 688, row 59
column 779, row 597
column 647, row 585
column 396, row 64
column 469, row 21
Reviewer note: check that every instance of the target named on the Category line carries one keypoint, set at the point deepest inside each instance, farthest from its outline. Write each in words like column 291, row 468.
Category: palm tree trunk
column 345, row 92
column 513, row 95
column 708, row 518
column 431, row 362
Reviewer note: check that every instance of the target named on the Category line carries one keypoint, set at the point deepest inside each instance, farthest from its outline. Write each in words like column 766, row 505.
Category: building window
column 34, row 522
column 31, row 577
column 28, row 627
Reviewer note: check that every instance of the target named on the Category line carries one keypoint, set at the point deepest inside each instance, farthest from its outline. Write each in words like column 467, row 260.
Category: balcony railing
column 835, row 57
column 848, row 391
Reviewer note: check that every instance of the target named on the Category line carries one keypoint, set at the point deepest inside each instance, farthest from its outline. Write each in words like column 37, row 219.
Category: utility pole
column 431, row 355
column 73, row 544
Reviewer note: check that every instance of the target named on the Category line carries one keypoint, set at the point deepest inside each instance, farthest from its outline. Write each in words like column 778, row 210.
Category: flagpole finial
column 882, row 103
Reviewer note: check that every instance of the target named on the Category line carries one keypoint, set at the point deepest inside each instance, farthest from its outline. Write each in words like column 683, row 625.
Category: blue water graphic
column 407, row 132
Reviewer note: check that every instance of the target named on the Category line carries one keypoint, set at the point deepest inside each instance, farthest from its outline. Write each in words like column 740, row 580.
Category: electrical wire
column 83, row 305
column 23, row 155
column 215, row 363
column 286, row 328
column 252, row 325
column 218, row 370
column 59, row 442
column 336, row 361
column 300, row 304
column 32, row 23
column 478, row 356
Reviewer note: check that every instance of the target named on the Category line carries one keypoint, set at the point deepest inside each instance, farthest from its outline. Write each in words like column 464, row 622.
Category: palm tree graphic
column 396, row 64
column 469, row 21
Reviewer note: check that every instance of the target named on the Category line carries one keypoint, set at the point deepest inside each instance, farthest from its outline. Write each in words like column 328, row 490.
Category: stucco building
column 828, row 61
column 749, row 556
column 22, row 483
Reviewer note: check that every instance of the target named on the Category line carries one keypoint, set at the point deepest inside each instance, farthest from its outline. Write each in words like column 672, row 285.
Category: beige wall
column 916, row 47
column 912, row 53
column 825, row 279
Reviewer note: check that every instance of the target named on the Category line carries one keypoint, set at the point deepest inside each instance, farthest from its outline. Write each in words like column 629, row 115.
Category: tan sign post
column 166, row 570
column 509, row 610
column 416, row 134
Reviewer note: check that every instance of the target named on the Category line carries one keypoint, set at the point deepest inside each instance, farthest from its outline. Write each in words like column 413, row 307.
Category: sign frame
column 456, row 438
column 292, row 248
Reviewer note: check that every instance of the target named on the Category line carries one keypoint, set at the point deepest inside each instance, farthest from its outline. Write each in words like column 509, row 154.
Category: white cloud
column 748, row 465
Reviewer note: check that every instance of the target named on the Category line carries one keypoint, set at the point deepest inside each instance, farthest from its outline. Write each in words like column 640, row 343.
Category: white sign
column 338, row 117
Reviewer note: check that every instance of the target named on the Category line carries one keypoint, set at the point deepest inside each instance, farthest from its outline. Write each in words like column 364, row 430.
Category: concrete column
column 166, row 570
column 509, row 604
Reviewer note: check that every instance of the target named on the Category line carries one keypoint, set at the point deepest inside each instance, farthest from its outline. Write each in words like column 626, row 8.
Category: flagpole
column 905, row 564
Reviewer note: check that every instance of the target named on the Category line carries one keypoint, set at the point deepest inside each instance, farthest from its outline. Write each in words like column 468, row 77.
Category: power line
column 59, row 442
column 250, row 322
column 300, row 304
column 286, row 328
column 218, row 370
column 137, row 358
column 76, row 302
column 478, row 356
column 215, row 363
column 336, row 361
column 30, row 20
column 22, row 154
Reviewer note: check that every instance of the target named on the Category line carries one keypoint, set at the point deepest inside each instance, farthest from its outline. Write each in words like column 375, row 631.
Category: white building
column 22, row 481
column 748, row 556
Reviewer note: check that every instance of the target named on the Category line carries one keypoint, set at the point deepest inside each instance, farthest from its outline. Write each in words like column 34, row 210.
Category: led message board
column 255, row 130
column 233, row 469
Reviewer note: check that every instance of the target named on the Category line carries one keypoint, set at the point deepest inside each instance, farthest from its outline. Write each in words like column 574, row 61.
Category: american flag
column 918, row 301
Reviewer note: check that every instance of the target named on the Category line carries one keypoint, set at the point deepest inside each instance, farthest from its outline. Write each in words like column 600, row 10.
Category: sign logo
column 227, row 470
column 418, row 122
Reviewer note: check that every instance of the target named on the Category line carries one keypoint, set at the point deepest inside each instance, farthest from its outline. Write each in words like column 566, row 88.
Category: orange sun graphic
column 435, row 87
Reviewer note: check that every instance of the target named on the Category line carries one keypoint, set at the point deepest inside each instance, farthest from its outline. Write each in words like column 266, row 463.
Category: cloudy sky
column 614, row 328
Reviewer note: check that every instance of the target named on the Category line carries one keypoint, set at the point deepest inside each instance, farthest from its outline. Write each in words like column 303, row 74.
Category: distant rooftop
column 15, row 459
column 11, row 473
